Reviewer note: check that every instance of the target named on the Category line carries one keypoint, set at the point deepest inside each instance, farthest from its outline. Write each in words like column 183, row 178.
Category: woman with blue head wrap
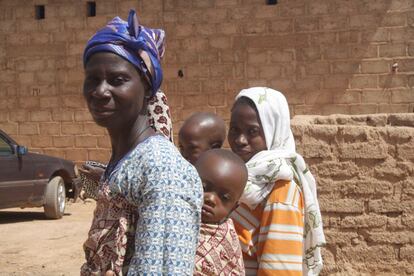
column 141, row 46
column 149, row 200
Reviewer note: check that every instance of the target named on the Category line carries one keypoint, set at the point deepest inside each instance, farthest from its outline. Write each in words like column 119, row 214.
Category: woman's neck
column 128, row 137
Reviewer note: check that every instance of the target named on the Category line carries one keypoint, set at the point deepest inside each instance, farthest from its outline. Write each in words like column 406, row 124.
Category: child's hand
column 91, row 172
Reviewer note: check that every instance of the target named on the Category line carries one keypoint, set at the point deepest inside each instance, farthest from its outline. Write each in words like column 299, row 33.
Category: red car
column 35, row 180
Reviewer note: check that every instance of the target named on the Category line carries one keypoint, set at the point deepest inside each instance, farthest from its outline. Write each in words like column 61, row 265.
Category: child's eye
column 194, row 149
column 216, row 146
column 226, row 197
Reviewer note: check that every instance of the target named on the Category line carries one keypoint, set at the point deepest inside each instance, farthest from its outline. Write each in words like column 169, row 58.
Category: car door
column 16, row 186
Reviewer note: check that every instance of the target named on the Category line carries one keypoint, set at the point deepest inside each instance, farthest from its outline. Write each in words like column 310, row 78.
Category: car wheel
column 55, row 198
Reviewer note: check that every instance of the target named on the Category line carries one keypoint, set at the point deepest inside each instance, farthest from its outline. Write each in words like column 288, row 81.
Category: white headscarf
column 281, row 161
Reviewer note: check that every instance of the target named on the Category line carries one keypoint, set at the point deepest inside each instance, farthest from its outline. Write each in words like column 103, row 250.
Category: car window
column 5, row 148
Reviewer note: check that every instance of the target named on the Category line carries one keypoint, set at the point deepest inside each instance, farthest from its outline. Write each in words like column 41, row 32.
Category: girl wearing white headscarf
column 279, row 221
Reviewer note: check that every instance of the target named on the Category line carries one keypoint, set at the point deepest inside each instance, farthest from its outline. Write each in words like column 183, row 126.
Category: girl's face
column 114, row 90
column 246, row 136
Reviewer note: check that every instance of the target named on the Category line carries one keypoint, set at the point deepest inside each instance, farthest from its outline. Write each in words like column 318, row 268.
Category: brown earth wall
column 326, row 56
column 364, row 166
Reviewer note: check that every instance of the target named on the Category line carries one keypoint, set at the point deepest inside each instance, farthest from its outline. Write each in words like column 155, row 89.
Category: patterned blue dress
column 168, row 195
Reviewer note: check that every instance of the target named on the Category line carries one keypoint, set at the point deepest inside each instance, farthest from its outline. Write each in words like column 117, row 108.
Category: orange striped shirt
column 271, row 236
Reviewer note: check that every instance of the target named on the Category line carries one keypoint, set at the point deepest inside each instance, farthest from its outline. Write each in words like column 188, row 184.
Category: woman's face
column 246, row 136
column 114, row 90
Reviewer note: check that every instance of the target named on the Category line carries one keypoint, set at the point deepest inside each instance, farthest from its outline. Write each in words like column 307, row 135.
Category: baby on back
column 224, row 176
column 202, row 131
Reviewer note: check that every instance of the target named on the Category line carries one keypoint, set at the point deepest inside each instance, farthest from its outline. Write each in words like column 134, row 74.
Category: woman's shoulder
column 156, row 160
column 158, row 152
column 155, row 147
column 286, row 192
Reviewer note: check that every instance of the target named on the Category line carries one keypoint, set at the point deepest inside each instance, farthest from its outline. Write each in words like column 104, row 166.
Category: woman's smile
column 243, row 153
column 242, row 150
column 100, row 112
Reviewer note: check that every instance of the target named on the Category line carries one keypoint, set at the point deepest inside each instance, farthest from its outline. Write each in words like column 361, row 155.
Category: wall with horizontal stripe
column 364, row 167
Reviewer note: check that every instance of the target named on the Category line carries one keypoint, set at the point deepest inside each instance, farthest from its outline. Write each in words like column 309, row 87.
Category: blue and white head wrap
column 142, row 46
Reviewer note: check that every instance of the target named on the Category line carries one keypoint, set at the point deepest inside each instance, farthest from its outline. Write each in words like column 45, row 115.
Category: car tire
column 55, row 198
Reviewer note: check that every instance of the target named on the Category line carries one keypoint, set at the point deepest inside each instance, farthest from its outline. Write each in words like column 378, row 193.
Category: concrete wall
column 364, row 166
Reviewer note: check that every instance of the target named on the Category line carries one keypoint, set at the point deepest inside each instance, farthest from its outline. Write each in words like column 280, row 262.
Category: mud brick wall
column 364, row 166
column 326, row 56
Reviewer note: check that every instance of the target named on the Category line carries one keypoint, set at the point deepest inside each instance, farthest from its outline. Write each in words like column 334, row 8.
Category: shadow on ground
column 22, row 216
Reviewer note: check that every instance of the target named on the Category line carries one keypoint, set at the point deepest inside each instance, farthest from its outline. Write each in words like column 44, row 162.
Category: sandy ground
column 33, row 245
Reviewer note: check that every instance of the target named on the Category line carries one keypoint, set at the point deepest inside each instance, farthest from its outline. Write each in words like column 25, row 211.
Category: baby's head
column 224, row 176
column 202, row 131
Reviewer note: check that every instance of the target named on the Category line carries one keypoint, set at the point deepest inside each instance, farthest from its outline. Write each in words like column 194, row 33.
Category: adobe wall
column 364, row 166
column 326, row 56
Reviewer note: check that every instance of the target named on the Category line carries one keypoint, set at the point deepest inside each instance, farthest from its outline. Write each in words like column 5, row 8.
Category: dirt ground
column 32, row 245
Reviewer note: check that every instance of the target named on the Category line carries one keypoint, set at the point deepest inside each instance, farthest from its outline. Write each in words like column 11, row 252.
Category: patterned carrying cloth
column 111, row 238
column 218, row 251
column 142, row 46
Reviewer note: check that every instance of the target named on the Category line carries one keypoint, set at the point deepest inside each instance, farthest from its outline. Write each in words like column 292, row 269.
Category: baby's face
column 219, row 202
column 223, row 186
column 193, row 143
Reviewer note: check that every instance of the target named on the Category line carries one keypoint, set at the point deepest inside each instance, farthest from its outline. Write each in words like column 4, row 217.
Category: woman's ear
column 148, row 90
column 147, row 94
column 144, row 109
column 146, row 83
